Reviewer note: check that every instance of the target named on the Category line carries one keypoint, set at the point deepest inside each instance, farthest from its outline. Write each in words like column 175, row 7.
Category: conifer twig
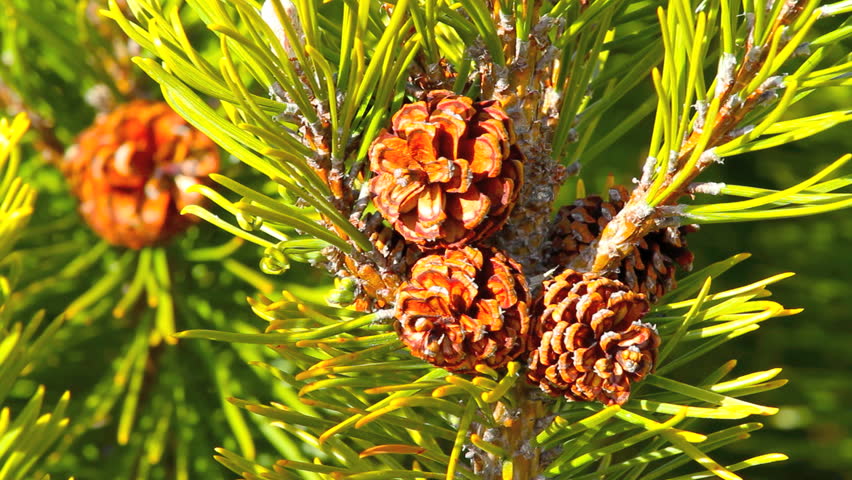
column 741, row 85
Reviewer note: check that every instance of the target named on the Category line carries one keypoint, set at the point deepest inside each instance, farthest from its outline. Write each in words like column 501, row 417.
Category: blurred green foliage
column 814, row 425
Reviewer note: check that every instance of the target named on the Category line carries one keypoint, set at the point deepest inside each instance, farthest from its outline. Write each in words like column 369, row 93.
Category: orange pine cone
column 131, row 169
column 590, row 343
column 465, row 307
column 651, row 266
column 448, row 172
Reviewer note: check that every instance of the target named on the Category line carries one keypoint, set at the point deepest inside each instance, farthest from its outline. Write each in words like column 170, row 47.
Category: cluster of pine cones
column 446, row 175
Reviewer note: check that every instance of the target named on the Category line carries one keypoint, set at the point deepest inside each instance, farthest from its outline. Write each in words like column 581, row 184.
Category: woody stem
column 517, row 429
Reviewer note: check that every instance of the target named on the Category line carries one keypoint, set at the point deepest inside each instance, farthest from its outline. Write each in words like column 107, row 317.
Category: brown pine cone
column 131, row 170
column 465, row 307
column 590, row 343
column 649, row 269
column 448, row 172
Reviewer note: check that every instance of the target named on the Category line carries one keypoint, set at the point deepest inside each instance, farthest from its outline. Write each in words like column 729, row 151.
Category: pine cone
column 131, row 170
column 651, row 267
column 448, row 172
column 465, row 307
column 590, row 344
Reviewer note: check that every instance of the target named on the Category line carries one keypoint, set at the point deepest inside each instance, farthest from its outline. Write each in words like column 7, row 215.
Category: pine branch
column 746, row 80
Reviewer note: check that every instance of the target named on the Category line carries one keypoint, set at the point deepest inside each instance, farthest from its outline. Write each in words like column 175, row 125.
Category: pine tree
column 416, row 152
